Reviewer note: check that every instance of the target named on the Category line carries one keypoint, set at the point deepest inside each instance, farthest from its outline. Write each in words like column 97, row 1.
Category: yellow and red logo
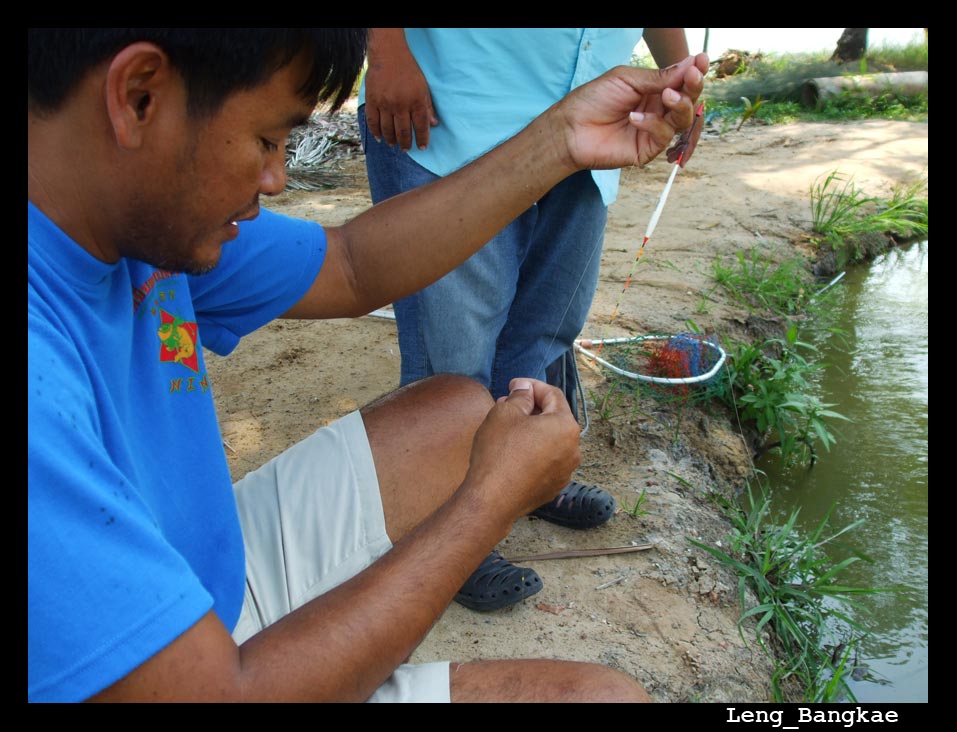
column 178, row 341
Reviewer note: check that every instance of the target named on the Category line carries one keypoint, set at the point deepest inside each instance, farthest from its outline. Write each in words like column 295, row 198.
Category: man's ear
column 138, row 80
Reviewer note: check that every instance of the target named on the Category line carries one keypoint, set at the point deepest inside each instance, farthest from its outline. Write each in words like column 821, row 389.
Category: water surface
column 877, row 471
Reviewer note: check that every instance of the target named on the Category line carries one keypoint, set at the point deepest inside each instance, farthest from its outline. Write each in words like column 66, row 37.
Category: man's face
column 207, row 175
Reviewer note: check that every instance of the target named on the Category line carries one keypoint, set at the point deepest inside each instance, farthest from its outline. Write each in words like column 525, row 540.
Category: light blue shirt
column 487, row 84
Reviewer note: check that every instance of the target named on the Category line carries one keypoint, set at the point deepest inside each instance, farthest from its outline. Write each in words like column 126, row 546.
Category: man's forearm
column 340, row 646
column 440, row 225
column 346, row 643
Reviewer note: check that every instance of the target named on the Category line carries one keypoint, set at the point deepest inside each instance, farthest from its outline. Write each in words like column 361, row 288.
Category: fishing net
column 678, row 361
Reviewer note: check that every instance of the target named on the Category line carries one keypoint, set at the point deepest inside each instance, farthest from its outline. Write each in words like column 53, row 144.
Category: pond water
column 877, row 471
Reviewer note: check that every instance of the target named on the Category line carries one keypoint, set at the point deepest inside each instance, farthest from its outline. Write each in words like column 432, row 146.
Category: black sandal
column 578, row 506
column 497, row 583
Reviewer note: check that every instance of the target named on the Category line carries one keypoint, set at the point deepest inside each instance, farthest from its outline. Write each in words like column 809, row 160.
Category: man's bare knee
column 462, row 389
column 421, row 438
column 616, row 686
column 452, row 393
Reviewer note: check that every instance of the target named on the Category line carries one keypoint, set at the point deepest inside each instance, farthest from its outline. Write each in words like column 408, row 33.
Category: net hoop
column 664, row 380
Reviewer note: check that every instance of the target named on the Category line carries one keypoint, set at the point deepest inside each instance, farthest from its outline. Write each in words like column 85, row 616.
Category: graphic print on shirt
column 177, row 336
column 178, row 340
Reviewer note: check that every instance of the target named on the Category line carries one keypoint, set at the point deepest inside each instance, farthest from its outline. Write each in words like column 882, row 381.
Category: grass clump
column 888, row 105
column 853, row 224
column 755, row 281
column 844, row 107
column 797, row 597
column 770, row 384
column 638, row 509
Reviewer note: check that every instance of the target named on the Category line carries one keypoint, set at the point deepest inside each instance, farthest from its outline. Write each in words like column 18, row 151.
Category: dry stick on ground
column 569, row 553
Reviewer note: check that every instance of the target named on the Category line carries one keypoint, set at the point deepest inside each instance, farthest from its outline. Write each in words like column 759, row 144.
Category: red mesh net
column 666, row 361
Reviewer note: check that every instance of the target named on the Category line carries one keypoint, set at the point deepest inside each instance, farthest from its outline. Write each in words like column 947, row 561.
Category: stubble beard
column 152, row 235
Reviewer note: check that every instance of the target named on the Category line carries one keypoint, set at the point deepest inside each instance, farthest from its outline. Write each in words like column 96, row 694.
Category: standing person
column 517, row 305
column 150, row 575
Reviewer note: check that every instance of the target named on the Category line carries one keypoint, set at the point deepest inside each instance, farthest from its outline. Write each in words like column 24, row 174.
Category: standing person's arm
column 667, row 45
column 397, row 93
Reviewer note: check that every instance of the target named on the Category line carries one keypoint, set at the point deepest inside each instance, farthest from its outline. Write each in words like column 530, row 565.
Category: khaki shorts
column 312, row 518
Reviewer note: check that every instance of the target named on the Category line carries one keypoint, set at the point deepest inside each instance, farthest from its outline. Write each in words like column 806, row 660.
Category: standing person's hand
column 397, row 95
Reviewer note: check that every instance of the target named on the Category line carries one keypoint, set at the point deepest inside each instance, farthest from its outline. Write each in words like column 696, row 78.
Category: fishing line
column 568, row 306
column 678, row 154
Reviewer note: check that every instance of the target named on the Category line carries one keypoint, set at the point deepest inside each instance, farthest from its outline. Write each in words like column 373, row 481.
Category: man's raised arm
column 403, row 244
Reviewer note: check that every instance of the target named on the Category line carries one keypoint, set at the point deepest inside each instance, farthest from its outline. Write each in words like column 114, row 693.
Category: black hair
column 214, row 62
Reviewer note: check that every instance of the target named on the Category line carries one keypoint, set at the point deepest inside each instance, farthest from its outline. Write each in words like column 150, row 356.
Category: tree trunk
column 851, row 45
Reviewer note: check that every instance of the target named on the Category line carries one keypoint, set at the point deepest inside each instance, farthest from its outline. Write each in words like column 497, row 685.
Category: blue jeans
column 518, row 303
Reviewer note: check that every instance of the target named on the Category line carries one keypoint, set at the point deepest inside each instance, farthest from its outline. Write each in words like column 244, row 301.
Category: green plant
column 681, row 480
column 845, row 216
column 769, row 112
column 797, row 594
column 898, row 57
column 750, row 109
column 609, row 401
column 780, row 113
column 757, row 282
column 770, row 383
column 837, row 205
column 889, row 105
column 637, row 511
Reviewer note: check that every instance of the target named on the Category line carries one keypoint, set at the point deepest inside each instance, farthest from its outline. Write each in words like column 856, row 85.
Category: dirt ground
column 666, row 615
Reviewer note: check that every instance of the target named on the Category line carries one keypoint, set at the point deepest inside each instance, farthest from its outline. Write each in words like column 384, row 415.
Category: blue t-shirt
column 488, row 84
column 133, row 532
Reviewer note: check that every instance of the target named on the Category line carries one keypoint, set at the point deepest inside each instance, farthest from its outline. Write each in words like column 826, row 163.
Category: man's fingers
column 675, row 76
column 372, row 122
column 661, row 129
column 682, row 64
column 387, row 128
column 690, row 70
column 423, row 119
column 551, row 400
column 537, row 397
column 522, row 395
column 396, row 128
column 684, row 76
column 403, row 132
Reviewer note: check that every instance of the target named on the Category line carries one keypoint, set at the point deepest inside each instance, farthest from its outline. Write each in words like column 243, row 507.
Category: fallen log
column 816, row 92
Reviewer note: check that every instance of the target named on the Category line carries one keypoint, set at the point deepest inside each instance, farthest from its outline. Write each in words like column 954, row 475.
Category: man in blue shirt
column 151, row 576
column 433, row 100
